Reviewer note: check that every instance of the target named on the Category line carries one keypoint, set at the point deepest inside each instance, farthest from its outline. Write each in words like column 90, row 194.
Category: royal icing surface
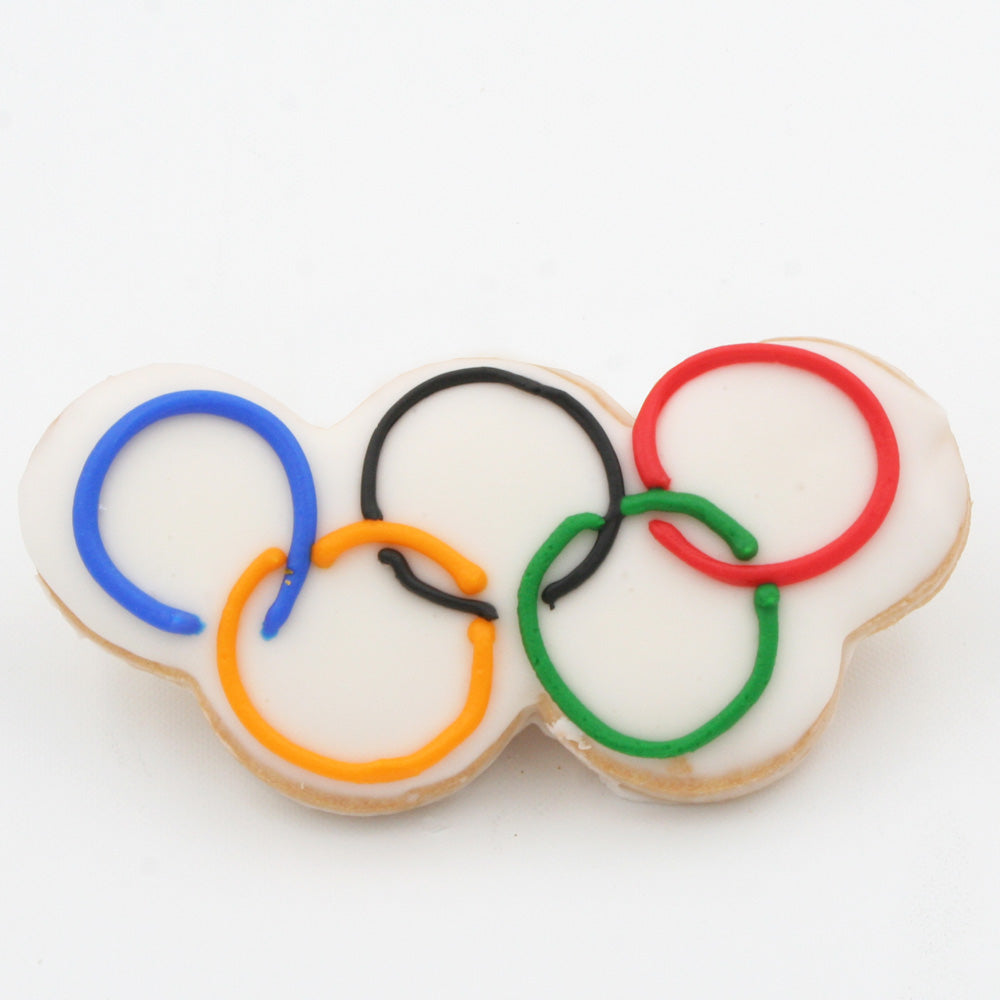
column 410, row 634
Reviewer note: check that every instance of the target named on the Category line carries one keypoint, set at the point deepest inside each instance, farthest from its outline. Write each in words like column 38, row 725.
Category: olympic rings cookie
column 368, row 613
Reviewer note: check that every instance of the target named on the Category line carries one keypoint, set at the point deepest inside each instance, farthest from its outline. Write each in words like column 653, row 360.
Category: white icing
column 363, row 669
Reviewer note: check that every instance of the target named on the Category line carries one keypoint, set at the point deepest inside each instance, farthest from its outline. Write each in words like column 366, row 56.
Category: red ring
column 791, row 570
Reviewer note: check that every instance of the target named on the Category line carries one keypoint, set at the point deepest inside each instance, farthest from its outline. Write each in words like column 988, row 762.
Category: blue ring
column 87, row 532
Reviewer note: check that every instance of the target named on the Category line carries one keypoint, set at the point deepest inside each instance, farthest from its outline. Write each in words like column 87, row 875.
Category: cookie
column 368, row 613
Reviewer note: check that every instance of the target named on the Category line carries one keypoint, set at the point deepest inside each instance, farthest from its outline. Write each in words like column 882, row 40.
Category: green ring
column 765, row 599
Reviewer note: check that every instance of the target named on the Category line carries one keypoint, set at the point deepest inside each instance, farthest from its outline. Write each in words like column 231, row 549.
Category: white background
column 317, row 196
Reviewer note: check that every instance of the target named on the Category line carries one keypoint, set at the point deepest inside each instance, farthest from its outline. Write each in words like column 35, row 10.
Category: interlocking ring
column 740, row 543
column 823, row 559
column 568, row 403
column 469, row 578
column 86, row 504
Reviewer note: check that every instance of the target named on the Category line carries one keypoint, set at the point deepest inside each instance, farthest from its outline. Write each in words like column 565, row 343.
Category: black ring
column 370, row 509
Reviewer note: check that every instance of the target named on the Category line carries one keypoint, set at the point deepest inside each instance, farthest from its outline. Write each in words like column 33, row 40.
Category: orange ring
column 469, row 577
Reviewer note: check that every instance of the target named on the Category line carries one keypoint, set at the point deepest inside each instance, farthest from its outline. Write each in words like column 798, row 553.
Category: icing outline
column 470, row 579
column 766, row 598
column 86, row 504
column 828, row 556
column 571, row 406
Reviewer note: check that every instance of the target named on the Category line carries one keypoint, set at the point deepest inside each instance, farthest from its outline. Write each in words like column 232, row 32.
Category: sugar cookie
column 368, row 613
